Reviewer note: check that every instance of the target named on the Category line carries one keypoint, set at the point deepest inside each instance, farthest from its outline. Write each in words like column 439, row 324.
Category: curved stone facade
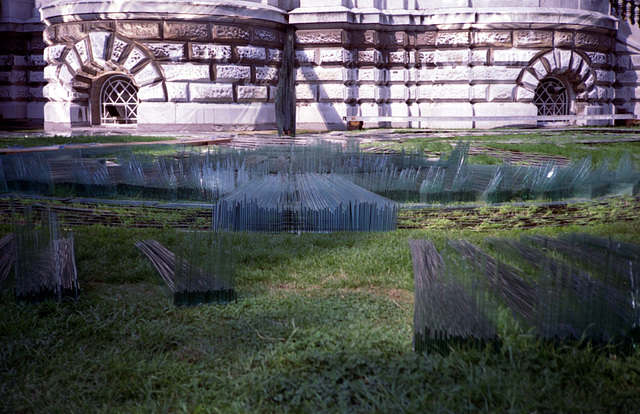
column 214, row 65
column 196, row 66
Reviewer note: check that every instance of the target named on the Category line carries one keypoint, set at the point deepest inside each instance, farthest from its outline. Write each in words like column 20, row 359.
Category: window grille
column 119, row 101
column 551, row 98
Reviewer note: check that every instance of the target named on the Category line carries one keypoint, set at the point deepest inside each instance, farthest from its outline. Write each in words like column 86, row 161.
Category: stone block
column 267, row 74
column 307, row 92
column 152, row 93
column 37, row 60
column 19, row 60
column 605, row 76
column 177, row 91
column 158, row 113
column 479, row 57
column 231, row 33
column 65, row 75
column 134, row 58
column 502, row 93
column 51, row 73
column 425, row 75
column 65, row 114
column 166, row 51
column 119, row 48
column 251, row 54
column 451, row 57
column 398, row 75
column 69, row 32
column 519, row 111
column 350, row 93
column 7, row 60
column 446, row 92
column 36, row 77
column 533, row 38
column 593, row 41
column 452, row 38
column 529, row 80
column 147, row 75
column 541, row 67
column 49, row 35
column 274, row 55
column 99, row 42
column 14, row 76
column 495, row 38
column 635, row 61
column 395, row 39
column 563, row 39
column 562, row 60
column 440, row 109
column 373, row 93
column 211, row 92
column 52, row 54
column 35, row 110
column 306, row 56
column 495, row 73
column 399, row 93
column 370, row 57
column 426, row 57
column 233, row 73
column 426, row 38
column 601, row 60
column 186, row 31
column 250, row 93
column 207, row 51
column 263, row 35
column 61, row 93
column 138, row 29
column 372, row 75
column 424, row 93
column 186, row 72
column 320, row 36
column 524, row 94
column 459, row 74
column 340, row 56
column 400, row 57
column 514, row 57
column 72, row 59
column 322, row 74
column 323, row 116
column 479, row 93
column 331, row 92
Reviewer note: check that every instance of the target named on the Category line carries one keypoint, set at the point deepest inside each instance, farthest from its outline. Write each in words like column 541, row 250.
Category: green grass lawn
column 323, row 323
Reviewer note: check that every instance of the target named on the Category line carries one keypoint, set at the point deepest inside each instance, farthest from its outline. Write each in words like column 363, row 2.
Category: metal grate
column 551, row 98
column 119, row 101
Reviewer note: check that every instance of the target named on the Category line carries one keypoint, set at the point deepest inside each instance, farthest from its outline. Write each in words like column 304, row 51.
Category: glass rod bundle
column 571, row 289
column 452, row 306
column 45, row 262
column 304, row 203
column 201, row 272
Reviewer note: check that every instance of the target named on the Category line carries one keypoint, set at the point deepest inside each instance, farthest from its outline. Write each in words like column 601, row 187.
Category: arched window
column 551, row 98
column 118, row 101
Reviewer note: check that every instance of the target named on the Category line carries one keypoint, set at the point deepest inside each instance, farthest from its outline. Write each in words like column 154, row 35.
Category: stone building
column 177, row 65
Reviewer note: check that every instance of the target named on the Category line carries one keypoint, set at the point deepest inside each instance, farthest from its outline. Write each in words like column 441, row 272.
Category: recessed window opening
column 119, row 101
column 551, row 98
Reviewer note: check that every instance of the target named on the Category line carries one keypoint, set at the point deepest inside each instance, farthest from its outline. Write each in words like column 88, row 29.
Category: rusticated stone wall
column 21, row 66
column 467, row 72
column 181, row 68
